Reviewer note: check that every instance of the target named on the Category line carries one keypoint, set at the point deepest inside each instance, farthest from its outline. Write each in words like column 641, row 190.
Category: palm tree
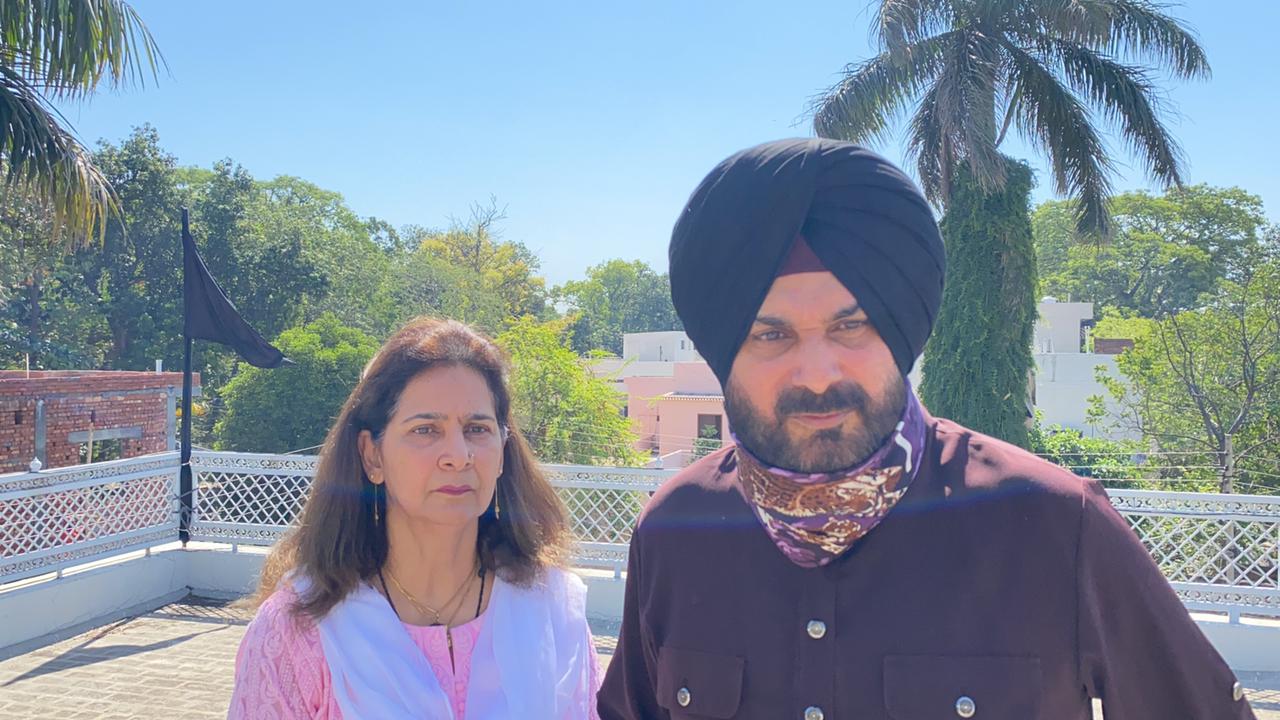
column 58, row 51
column 973, row 70
column 976, row 68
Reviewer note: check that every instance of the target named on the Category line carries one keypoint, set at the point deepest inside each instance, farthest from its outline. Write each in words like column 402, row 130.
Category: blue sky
column 589, row 121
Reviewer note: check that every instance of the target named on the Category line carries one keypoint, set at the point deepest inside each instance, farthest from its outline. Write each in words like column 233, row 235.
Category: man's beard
column 829, row 450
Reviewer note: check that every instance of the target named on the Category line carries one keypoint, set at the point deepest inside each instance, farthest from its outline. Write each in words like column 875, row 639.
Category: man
column 851, row 557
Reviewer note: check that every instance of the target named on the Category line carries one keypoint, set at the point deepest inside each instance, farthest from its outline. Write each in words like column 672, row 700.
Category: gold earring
column 377, row 519
column 497, row 507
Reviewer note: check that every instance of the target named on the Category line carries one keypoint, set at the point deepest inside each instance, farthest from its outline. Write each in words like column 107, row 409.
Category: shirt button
column 1237, row 692
column 813, row 713
column 684, row 697
column 965, row 707
column 816, row 629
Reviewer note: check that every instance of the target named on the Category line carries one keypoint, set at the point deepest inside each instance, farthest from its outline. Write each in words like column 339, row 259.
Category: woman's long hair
column 337, row 545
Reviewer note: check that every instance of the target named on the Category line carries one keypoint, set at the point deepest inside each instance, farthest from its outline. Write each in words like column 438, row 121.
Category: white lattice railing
column 603, row 505
column 1220, row 552
column 247, row 498
column 54, row 519
column 251, row 499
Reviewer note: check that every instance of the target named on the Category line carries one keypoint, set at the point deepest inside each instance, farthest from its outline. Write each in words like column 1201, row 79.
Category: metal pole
column 184, row 476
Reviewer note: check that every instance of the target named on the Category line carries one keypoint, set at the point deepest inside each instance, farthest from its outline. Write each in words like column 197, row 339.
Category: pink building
column 672, row 395
column 669, row 412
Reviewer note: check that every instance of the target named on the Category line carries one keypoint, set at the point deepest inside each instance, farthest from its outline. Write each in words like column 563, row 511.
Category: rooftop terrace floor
column 178, row 661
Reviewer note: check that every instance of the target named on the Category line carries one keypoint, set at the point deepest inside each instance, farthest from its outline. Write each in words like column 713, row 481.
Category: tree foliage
column 1112, row 461
column 1166, row 251
column 978, row 360
column 64, row 50
column 301, row 266
column 293, row 407
column 496, row 280
column 615, row 298
column 567, row 414
column 1207, row 380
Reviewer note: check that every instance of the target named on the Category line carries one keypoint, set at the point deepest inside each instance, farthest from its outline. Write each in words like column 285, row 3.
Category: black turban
column 864, row 219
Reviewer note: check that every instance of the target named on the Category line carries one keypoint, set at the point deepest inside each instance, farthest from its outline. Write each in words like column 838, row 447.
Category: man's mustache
column 845, row 397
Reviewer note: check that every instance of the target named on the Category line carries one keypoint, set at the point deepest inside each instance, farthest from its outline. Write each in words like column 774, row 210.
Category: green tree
column 567, row 414
column 988, row 302
column 493, row 267
column 707, row 442
column 1112, row 461
column 421, row 282
column 136, row 275
column 47, row 317
column 58, row 51
column 973, row 71
column 617, row 297
column 1165, row 252
column 291, row 408
column 1207, row 381
column 314, row 254
column 28, row 256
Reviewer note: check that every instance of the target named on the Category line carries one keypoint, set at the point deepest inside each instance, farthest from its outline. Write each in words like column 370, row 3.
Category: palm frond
column 1136, row 28
column 966, row 107
column 860, row 107
column 72, row 46
column 926, row 146
column 1141, row 29
column 42, row 158
column 1051, row 117
column 902, row 23
column 1128, row 97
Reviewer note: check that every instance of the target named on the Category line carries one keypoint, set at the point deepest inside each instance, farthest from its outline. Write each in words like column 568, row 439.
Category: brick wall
column 1105, row 346
column 74, row 400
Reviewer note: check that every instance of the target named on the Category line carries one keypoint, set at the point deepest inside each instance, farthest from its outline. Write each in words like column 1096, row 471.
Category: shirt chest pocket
column 919, row 687
column 694, row 684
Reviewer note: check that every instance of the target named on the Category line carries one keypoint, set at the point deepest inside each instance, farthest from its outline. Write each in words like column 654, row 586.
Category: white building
column 669, row 346
column 1065, row 373
column 648, row 354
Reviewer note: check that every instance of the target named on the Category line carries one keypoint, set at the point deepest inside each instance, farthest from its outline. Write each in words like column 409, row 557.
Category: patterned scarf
column 815, row 518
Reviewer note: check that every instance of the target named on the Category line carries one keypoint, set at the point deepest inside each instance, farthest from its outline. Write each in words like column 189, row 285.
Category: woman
column 424, row 577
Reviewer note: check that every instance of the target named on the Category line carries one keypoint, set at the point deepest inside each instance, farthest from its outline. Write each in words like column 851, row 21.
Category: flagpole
column 184, row 475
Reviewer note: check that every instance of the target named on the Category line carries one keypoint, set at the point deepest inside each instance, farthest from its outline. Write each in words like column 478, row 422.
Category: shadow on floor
column 195, row 609
column 82, row 655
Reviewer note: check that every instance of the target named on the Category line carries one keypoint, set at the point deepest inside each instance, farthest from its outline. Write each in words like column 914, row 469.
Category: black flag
column 211, row 316
column 208, row 315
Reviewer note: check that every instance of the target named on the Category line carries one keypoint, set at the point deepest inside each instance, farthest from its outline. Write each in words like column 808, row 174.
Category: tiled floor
column 178, row 662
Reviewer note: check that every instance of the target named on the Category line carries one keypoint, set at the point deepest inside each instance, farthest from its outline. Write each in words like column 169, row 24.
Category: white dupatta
column 531, row 661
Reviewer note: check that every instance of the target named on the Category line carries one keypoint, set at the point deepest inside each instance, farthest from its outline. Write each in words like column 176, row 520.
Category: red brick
column 70, row 396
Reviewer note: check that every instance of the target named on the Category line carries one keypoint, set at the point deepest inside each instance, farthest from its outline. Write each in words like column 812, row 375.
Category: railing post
column 41, row 431
column 184, row 471
column 171, row 419
column 176, row 490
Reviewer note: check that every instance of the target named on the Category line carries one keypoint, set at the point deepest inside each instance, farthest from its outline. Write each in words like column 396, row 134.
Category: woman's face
column 440, row 455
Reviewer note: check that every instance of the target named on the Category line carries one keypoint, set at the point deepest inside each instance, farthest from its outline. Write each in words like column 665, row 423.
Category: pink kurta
column 281, row 673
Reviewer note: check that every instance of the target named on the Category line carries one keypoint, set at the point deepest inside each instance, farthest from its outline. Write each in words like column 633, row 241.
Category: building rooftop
column 693, row 395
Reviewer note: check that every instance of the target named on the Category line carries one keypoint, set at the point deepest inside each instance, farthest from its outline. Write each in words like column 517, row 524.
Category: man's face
column 814, row 388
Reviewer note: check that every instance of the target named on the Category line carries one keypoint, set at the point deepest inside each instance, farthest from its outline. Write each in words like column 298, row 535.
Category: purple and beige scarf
column 815, row 518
